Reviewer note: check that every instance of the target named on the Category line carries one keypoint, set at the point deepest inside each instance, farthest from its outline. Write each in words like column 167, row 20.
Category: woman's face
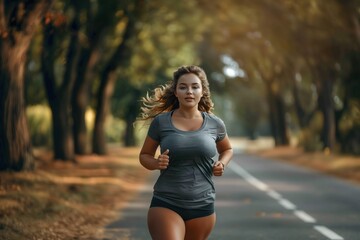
column 189, row 90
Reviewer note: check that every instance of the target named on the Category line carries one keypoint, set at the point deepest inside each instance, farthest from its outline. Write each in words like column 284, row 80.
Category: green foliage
column 249, row 109
column 278, row 44
column 349, row 127
column 351, row 119
column 309, row 137
column 114, row 126
column 39, row 120
column 141, row 129
column 166, row 40
column 114, row 129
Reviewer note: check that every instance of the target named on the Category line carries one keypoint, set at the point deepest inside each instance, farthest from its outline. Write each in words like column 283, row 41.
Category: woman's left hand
column 218, row 168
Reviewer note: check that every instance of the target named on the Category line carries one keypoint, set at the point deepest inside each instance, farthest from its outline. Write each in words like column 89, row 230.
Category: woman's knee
column 165, row 224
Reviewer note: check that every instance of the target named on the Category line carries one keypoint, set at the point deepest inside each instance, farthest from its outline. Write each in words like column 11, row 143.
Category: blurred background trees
column 73, row 72
column 17, row 21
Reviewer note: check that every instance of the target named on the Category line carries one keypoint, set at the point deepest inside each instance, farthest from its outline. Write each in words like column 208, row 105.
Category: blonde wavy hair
column 163, row 98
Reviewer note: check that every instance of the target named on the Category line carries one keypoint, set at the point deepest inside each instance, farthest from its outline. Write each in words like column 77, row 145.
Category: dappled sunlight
column 90, row 169
column 9, row 205
column 117, row 155
column 346, row 163
column 126, row 184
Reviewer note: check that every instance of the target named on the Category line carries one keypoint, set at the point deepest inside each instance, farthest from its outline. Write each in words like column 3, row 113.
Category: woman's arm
column 225, row 150
column 147, row 153
column 225, row 154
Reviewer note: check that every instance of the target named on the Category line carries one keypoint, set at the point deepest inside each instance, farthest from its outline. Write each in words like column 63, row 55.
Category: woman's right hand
column 163, row 160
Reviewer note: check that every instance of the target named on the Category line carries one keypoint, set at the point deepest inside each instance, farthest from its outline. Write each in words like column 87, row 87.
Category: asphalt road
column 264, row 199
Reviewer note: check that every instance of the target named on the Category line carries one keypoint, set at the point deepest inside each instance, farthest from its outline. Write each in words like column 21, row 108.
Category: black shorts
column 185, row 214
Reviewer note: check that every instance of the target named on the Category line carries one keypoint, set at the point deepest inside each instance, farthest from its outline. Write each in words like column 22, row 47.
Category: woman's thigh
column 200, row 228
column 165, row 224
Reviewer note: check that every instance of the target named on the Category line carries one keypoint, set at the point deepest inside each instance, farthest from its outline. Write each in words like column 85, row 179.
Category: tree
column 317, row 38
column 248, row 41
column 120, row 57
column 18, row 22
column 101, row 19
column 159, row 50
column 59, row 97
column 324, row 57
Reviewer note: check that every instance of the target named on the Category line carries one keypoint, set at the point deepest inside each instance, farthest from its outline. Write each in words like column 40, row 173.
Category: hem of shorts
column 182, row 206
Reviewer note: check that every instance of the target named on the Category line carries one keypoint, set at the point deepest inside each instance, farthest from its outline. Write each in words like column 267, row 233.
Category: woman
column 189, row 136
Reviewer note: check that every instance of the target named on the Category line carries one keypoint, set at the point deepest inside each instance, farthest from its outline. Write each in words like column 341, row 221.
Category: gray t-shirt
column 187, row 182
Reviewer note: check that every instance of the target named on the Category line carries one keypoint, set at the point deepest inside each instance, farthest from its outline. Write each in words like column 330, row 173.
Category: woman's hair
column 164, row 99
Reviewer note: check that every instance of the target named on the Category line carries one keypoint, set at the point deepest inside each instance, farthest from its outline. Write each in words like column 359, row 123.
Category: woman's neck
column 188, row 113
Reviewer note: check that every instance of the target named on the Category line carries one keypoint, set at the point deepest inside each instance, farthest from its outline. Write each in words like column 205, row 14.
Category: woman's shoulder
column 217, row 123
column 161, row 116
column 214, row 117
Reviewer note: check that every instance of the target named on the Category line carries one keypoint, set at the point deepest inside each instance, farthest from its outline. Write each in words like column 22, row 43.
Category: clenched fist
column 218, row 168
column 163, row 160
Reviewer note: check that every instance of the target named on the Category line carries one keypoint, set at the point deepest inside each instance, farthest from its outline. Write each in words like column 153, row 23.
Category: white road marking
column 248, row 177
column 274, row 195
column 284, row 202
column 304, row 216
column 287, row 204
column 328, row 233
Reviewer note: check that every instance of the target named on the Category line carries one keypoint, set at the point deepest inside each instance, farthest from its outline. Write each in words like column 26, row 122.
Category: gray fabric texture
column 187, row 182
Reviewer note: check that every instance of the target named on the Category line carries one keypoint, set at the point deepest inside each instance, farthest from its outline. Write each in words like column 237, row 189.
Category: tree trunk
column 17, row 26
column 82, row 86
column 80, row 101
column 105, row 92
column 129, row 132
column 15, row 146
column 63, row 141
column 120, row 57
column 283, row 138
column 60, row 98
column 277, row 116
column 303, row 116
column 130, row 117
column 326, row 104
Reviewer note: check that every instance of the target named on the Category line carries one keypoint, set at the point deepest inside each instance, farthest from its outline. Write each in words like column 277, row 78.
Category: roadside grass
column 62, row 200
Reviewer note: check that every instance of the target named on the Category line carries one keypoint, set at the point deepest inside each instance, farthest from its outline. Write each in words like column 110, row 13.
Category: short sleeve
column 154, row 130
column 221, row 130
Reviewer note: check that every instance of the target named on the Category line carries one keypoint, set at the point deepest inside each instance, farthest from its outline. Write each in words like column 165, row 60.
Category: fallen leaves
column 67, row 200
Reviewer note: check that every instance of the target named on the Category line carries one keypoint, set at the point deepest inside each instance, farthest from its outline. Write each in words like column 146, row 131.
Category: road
column 264, row 199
